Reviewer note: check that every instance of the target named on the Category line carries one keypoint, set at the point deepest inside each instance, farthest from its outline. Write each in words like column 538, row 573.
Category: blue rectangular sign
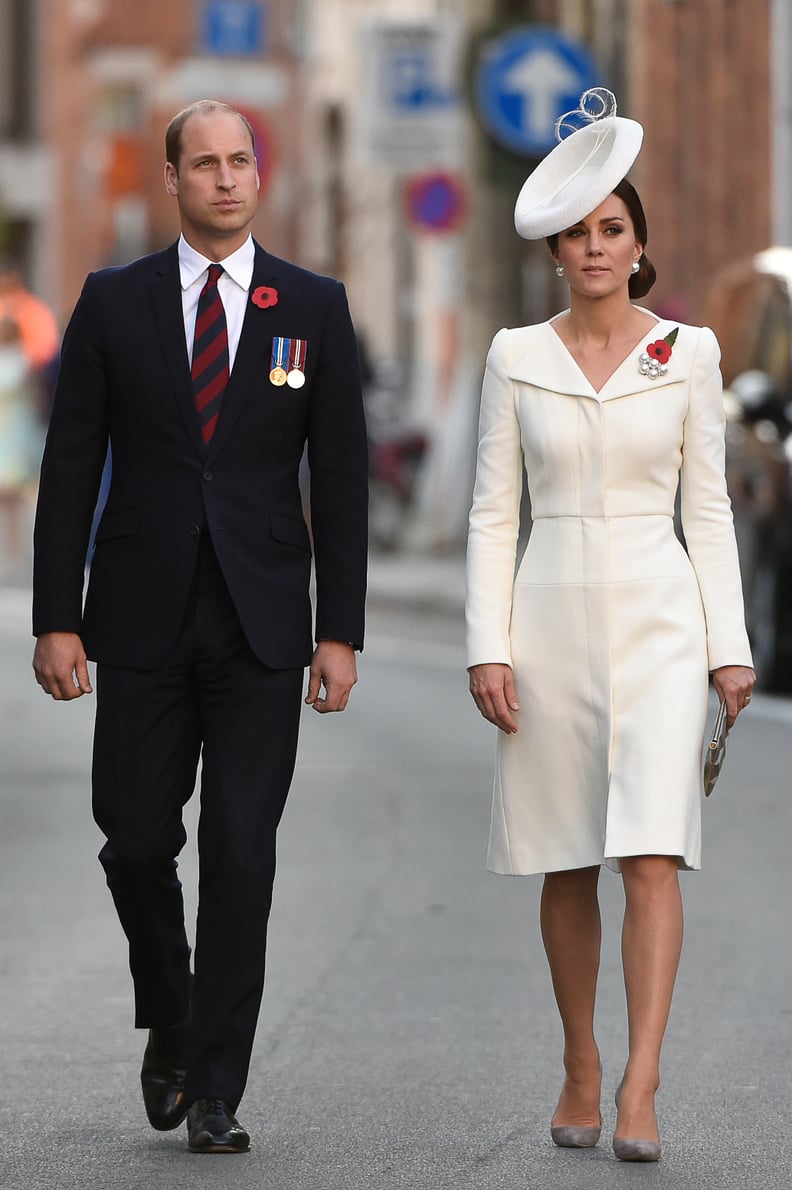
column 411, row 79
column 234, row 28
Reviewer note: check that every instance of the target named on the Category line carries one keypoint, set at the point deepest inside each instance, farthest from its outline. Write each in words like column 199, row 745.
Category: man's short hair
column 173, row 133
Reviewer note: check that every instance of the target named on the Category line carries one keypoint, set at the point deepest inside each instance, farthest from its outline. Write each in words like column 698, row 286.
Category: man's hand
column 61, row 666
column 333, row 666
column 494, row 693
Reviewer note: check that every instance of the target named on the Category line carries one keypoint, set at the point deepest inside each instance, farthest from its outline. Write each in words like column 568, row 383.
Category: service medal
column 297, row 353
column 281, row 350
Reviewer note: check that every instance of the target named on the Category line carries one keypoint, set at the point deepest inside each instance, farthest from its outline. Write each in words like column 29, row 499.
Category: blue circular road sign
column 526, row 79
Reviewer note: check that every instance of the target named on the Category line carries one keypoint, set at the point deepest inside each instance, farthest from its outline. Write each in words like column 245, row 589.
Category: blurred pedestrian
column 37, row 326
column 593, row 660
column 21, row 440
column 208, row 366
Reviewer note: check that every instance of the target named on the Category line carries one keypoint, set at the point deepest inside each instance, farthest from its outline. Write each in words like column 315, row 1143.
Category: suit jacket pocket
column 291, row 530
column 124, row 523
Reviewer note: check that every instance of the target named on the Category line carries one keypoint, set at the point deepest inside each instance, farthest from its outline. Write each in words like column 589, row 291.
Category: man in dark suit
column 207, row 382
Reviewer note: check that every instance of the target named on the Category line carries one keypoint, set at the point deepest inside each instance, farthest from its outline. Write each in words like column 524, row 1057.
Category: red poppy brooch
column 654, row 361
column 264, row 297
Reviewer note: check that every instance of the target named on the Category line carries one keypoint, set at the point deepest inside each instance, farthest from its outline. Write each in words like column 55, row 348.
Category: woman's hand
column 734, row 683
column 494, row 693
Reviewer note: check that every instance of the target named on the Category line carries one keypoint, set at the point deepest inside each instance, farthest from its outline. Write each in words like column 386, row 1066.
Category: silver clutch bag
column 716, row 749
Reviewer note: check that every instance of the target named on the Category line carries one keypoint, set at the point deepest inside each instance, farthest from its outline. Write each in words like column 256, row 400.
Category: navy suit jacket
column 125, row 379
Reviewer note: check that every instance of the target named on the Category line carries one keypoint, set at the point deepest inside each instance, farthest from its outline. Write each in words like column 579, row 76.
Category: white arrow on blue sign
column 525, row 81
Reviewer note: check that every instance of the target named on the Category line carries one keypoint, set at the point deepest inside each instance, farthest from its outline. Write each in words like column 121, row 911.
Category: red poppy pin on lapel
column 264, row 297
column 654, row 361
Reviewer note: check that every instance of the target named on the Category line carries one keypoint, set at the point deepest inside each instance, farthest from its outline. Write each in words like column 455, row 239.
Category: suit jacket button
column 195, row 530
column 208, row 475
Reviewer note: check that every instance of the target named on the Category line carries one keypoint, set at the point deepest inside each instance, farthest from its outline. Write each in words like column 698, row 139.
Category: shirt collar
column 239, row 265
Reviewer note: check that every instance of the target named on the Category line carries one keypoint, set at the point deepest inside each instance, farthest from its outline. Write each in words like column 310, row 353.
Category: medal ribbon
column 281, row 350
column 297, row 353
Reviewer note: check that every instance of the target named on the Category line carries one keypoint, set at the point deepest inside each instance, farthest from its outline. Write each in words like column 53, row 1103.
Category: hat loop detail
column 598, row 103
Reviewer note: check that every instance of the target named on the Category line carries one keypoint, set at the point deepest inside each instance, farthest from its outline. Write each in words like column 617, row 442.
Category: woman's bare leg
column 571, row 932
column 651, row 945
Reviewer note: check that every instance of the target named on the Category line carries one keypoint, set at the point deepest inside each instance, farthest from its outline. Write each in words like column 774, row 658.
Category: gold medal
column 296, row 378
column 280, row 356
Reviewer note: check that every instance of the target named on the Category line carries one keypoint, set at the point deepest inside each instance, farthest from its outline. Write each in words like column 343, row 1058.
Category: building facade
column 25, row 154
column 358, row 105
column 112, row 73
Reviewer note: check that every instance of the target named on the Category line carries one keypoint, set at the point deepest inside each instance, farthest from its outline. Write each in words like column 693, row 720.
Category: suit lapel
column 169, row 319
column 628, row 379
column 546, row 363
column 252, row 355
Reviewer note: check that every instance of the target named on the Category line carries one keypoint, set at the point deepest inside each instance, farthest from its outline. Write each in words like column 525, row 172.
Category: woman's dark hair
column 641, row 282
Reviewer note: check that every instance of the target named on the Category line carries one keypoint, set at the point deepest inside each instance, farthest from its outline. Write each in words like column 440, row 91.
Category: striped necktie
column 210, row 354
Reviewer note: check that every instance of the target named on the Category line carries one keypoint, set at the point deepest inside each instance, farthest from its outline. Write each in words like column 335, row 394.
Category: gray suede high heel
column 627, row 1149
column 636, row 1150
column 576, row 1136
column 573, row 1136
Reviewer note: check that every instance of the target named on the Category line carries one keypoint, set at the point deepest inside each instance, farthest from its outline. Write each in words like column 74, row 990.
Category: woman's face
column 599, row 251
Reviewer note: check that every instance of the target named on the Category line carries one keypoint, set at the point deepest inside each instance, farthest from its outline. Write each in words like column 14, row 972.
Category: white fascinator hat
column 594, row 153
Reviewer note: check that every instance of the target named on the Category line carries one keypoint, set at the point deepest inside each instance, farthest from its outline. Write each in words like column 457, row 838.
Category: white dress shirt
column 233, row 287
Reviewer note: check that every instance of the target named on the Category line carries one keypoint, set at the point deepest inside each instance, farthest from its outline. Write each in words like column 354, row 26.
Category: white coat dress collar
column 545, row 362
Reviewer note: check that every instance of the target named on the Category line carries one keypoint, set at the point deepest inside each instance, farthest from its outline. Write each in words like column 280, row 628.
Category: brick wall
column 700, row 85
column 111, row 78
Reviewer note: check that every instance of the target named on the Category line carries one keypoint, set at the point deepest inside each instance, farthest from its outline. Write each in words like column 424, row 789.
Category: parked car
column 750, row 310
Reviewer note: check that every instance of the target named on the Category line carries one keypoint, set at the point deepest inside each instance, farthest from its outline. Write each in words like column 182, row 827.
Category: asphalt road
column 408, row 1036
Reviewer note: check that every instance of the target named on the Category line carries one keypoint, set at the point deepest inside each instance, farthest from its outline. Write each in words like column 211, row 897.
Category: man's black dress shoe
column 213, row 1128
column 162, row 1076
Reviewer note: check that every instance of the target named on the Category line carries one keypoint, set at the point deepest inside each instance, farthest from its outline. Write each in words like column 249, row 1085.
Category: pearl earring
column 635, row 266
column 559, row 270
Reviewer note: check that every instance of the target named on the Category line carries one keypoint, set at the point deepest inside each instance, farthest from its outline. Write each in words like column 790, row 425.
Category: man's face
column 216, row 186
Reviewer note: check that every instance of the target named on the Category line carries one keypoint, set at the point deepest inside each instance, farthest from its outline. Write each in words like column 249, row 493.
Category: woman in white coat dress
column 593, row 660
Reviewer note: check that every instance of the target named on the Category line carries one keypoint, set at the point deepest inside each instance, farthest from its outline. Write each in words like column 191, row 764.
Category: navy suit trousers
column 213, row 701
